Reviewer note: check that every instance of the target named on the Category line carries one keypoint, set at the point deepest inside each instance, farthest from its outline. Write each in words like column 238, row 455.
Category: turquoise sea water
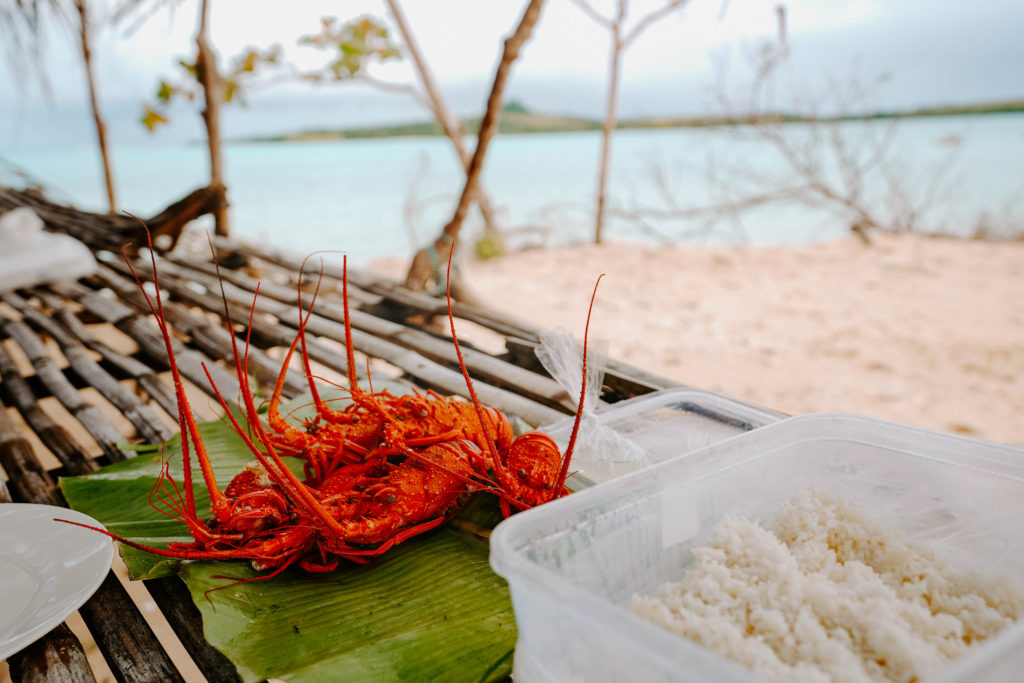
column 378, row 197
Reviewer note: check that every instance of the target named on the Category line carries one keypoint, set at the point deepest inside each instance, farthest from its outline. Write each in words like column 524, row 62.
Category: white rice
column 829, row 595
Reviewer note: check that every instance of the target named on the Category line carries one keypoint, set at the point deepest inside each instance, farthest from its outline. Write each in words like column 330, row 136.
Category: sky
column 933, row 52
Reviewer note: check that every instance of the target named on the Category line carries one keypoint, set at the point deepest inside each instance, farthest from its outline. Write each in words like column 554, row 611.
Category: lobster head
column 535, row 471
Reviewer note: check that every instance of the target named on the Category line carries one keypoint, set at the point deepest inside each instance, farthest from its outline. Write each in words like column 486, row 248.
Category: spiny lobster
column 379, row 471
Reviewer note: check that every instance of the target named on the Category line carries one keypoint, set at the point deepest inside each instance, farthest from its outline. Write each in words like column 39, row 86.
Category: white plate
column 47, row 570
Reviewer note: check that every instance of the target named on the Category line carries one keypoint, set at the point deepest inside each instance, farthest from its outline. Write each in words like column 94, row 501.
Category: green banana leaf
column 428, row 609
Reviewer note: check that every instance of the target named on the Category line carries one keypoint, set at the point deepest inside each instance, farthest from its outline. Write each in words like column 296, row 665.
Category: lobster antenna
column 186, row 422
column 268, row 457
column 271, row 461
column 567, row 458
column 276, row 469
column 228, row 322
column 498, row 465
column 350, row 356
column 303, row 321
column 275, row 397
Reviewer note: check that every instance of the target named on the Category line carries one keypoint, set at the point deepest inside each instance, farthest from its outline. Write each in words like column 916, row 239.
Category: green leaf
column 165, row 92
column 189, row 67
column 357, row 44
column 429, row 608
column 152, row 118
column 118, row 495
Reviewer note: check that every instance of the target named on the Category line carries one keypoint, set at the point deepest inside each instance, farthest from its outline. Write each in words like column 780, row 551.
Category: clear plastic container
column 665, row 424
column 574, row 564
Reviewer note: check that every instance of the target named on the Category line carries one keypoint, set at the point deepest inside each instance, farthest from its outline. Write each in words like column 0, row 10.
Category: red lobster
column 338, row 437
column 380, row 471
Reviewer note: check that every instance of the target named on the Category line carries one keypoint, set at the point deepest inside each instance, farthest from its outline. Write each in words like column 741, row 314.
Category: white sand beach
column 925, row 331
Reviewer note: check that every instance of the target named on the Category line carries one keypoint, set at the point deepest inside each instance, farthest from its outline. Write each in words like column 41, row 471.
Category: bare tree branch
column 618, row 44
column 94, row 103
column 831, row 158
column 209, row 78
column 589, row 10
column 450, row 124
column 424, row 268
column 21, row 23
column 651, row 18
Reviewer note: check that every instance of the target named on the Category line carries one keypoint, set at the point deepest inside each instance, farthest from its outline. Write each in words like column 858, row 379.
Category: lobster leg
column 400, row 536
column 273, row 550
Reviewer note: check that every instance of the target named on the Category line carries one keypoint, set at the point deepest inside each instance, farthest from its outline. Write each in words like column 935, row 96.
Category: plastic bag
column 562, row 357
column 29, row 256
column 20, row 226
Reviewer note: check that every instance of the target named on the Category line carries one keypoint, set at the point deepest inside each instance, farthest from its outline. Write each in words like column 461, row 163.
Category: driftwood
column 112, row 232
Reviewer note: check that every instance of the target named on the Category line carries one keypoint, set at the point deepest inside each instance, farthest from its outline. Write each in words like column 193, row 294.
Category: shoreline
column 536, row 123
column 922, row 330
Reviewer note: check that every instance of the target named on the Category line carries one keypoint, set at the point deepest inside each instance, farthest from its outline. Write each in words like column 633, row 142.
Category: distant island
column 516, row 119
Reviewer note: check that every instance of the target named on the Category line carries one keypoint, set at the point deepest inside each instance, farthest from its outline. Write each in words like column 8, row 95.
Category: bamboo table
column 83, row 371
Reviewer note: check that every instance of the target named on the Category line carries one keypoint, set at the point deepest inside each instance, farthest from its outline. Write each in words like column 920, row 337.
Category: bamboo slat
column 329, row 317
column 124, row 637
column 57, row 657
column 53, row 436
column 121, row 633
column 214, row 339
column 149, row 426
column 147, row 378
column 190, row 362
column 427, row 371
column 175, row 603
column 622, row 377
column 91, row 417
column 29, row 481
column 389, row 290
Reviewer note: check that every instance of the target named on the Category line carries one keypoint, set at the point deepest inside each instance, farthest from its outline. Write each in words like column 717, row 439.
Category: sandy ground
column 925, row 331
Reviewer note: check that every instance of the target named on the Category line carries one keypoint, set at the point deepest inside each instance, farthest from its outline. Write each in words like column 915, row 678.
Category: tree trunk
column 424, row 268
column 101, row 128
column 610, row 118
column 451, row 126
column 213, row 94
